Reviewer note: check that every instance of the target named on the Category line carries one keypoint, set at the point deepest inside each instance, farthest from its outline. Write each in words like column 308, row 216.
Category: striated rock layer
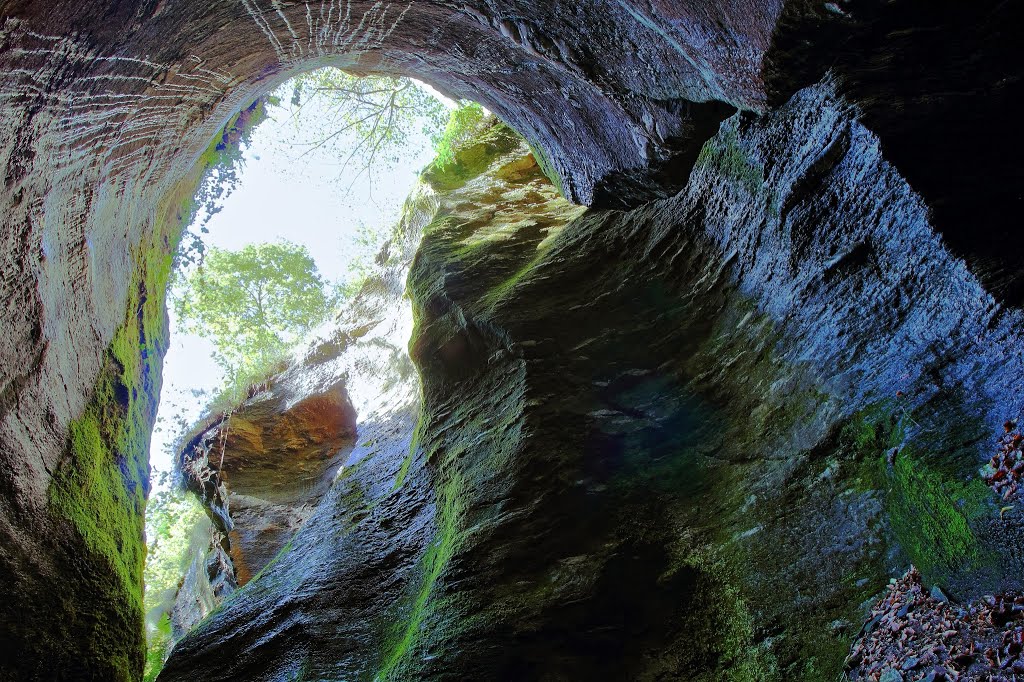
column 261, row 467
column 689, row 441
column 106, row 106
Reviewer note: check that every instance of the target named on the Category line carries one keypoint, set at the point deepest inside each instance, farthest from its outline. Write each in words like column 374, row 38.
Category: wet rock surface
column 208, row 581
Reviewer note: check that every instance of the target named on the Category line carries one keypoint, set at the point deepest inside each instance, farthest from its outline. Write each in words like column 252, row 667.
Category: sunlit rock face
column 263, row 466
column 208, row 580
column 105, row 107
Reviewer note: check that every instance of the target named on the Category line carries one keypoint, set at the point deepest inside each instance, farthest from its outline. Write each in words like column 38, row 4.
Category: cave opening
column 553, row 509
column 306, row 217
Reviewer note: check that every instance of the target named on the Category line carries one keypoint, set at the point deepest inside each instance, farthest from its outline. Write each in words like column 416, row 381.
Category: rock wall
column 106, row 105
column 669, row 443
column 208, row 580
column 105, row 108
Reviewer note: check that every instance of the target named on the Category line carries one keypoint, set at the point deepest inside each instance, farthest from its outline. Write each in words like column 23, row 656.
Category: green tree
column 253, row 304
column 171, row 520
column 382, row 114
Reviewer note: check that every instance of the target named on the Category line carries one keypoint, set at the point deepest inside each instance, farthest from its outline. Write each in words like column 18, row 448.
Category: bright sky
column 283, row 193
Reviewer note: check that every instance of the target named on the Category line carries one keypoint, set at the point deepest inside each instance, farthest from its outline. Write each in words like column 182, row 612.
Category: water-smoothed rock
column 208, row 580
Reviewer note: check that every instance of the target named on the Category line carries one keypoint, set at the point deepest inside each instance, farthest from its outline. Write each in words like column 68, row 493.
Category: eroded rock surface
column 669, row 443
column 262, row 467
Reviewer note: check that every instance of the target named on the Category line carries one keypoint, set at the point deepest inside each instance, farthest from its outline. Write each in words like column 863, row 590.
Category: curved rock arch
column 107, row 106
column 104, row 107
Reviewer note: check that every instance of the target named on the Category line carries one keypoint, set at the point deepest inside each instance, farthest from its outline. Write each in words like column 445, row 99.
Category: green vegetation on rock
column 932, row 514
column 484, row 140
column 100, row 488
column 407, row 632
column 930, row 510
column 725, row 153
column 867, row 436
column 464, row 120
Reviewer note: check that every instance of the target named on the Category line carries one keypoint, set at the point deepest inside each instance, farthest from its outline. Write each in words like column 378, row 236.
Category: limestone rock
column 261, row 468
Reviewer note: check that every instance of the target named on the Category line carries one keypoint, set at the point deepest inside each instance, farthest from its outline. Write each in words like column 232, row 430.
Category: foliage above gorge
column 369, row 122
column 254, row 304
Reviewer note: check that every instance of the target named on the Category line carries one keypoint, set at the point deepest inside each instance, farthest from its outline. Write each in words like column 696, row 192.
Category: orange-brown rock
column 262, row 468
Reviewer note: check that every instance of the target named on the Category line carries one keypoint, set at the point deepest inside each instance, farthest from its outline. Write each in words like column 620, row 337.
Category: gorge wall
column 659, row 465
column 672, row 414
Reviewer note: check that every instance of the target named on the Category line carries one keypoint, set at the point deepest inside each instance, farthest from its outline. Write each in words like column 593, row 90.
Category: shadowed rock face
column 673, row 465
column 105, row 107
column 928, row 81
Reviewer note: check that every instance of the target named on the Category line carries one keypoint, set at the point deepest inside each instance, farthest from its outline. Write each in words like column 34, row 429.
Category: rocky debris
column 914, row 635
column 1004, row 472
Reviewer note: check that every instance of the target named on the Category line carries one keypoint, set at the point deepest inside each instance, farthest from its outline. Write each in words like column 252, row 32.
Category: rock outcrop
column 660, row 444
column 208, row 580
column 826, row 284
column 261, row 467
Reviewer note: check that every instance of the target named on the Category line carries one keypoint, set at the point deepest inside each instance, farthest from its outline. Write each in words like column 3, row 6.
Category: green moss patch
column 931, row 509
column 408, row 630
column 718, row 624
column 471, row 158
column 100, row 487
column 865, row 439
column 932, row 513
column 725, row 153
